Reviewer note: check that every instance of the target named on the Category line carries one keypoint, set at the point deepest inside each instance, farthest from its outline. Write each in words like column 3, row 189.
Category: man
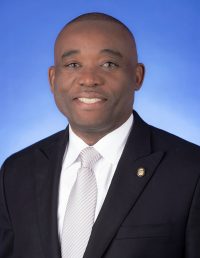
column 145, row 181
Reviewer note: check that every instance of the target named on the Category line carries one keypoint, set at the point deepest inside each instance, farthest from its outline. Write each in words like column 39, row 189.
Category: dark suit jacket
column 154, row 216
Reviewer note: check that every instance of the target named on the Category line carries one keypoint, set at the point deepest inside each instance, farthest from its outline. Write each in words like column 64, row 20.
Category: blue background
column 168, row 39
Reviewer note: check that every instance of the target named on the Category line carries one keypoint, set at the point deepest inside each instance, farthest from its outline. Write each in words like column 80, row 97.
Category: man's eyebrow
column 70, row 53
column 112, row 52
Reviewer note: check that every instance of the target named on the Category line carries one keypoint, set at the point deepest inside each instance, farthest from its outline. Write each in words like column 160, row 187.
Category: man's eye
column 110, row 65
column 72, row 65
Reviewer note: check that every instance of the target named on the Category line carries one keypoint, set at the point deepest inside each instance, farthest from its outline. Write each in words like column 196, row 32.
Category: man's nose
column 90, row 78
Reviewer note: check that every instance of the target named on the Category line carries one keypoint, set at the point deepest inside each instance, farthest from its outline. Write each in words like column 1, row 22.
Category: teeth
column 89, row 101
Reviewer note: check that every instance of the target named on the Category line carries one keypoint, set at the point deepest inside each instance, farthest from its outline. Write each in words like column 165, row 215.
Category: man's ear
column 51, row 76
column 140, row 72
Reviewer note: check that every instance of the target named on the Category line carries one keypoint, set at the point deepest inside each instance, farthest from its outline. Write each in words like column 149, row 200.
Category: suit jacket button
column 141, row 172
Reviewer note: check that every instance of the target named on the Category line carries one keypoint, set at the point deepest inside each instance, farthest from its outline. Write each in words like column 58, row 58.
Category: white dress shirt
column 110, row 148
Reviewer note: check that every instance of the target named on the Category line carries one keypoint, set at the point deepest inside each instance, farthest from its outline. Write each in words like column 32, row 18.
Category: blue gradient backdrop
column 168, row 38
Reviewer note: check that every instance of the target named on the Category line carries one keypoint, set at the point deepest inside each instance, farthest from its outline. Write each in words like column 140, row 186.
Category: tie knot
column 89, row 156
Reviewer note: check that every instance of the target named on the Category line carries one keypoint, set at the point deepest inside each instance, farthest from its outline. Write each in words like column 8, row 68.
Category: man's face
column 95, row 76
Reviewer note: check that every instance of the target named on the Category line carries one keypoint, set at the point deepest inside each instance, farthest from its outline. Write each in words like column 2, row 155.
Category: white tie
column 80, row 211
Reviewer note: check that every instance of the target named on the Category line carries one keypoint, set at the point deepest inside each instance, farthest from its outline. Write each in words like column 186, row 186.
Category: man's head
column 95, row 75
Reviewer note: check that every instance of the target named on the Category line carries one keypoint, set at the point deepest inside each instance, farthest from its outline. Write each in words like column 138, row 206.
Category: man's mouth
column 89, row 100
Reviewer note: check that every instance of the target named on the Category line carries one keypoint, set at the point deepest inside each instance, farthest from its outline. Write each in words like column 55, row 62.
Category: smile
column 89, row 100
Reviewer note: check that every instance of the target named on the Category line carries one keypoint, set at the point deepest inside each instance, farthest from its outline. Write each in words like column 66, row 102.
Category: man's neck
column 91, row 135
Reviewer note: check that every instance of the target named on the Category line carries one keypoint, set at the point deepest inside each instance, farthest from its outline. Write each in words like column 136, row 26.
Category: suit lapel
column 48, row 167
column 125, row 189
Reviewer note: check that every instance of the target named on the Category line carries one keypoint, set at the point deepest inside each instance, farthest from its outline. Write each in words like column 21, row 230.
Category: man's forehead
column 92, row 26
column 98, row 33
column 96, row 29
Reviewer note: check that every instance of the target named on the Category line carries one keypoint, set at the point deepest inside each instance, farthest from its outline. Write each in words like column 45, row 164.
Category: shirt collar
column 112, row 144
column 117, row 139
column 75, row 146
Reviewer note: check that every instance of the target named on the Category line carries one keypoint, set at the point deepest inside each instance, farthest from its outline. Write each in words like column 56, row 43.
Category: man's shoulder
column 30, row 150
column 168, row 141
column 161, row 139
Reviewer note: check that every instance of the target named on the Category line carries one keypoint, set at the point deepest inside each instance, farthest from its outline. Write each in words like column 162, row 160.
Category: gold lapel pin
column 141, row 172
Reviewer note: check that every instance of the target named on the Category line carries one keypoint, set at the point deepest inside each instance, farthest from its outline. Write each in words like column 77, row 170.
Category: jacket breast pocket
column 144, row 231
